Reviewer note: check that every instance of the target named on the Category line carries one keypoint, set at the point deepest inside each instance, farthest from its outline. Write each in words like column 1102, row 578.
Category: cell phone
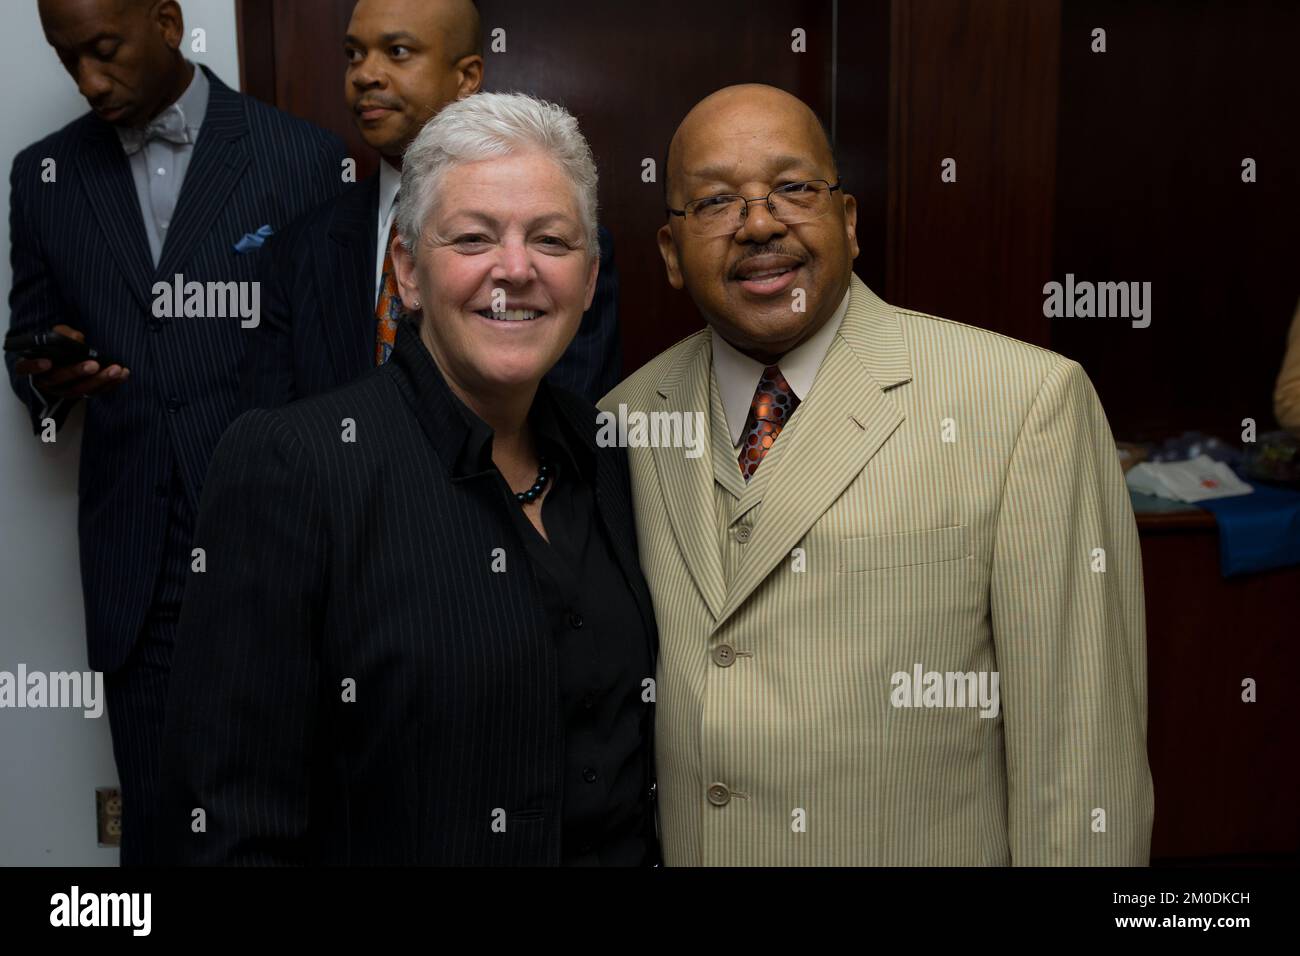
column 58, row 348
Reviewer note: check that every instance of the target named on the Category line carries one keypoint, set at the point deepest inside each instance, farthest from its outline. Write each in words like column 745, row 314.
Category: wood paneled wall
column 973, row 81
column 1152, row 137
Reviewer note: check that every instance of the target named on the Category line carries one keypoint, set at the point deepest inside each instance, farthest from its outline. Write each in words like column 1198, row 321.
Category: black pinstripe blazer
column 80, row 256
column 319, row 327
column 365, row 567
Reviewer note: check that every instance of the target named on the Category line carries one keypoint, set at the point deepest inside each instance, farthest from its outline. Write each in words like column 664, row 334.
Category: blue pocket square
column 254, row 240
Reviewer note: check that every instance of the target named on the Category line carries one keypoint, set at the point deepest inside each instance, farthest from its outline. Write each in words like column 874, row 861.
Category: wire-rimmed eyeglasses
column 790, row 203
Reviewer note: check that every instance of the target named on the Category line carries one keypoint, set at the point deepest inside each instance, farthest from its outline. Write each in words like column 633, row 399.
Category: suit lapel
column 846, row 419
column 687, row 483
column 220, row 158
column 105, row 175
column 348, row 266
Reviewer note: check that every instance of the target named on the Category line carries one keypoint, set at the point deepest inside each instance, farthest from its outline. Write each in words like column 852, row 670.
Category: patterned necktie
column 389, row 307
column 169, row 126
column 774, row 402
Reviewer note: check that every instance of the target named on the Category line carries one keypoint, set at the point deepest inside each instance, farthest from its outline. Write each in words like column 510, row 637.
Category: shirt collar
column 738, row 375
column 192, row 104
column 390, row 178
column 464, row 440
column 194, row 101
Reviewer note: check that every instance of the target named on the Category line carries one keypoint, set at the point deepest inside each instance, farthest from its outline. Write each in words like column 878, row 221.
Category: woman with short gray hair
column 490, row 126
column 423, row 635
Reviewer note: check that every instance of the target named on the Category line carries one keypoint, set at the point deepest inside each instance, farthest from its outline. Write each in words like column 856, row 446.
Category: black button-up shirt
column 603, row 650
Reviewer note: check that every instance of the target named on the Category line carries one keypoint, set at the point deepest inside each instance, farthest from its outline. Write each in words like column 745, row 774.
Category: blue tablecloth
column 1257, row 531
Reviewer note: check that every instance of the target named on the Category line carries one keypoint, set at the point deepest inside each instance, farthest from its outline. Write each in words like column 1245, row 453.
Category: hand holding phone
column 61, row 364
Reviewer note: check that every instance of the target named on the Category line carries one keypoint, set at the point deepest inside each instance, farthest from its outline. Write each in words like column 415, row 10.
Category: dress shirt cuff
column 48, row 410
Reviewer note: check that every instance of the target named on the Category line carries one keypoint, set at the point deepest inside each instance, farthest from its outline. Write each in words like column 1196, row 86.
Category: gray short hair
column 486, row 126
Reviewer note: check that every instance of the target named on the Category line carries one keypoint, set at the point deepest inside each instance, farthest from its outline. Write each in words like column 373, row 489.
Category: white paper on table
column 1197, row 479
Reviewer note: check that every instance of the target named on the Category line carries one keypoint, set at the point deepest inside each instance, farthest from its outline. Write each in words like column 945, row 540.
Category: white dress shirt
column 738, row 375
column 389, row 179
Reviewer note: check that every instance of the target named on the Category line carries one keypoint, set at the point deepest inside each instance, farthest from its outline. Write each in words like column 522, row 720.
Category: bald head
column 464, row 29
column 97, row 11
column 455, row 22
column 744, row 114
column 407, row 59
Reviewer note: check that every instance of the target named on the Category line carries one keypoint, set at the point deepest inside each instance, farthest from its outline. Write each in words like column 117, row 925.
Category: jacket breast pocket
column 879, row 551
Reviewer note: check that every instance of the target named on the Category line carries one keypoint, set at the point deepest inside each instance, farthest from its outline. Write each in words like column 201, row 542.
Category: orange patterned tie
column 774, row 402
column 389, row 307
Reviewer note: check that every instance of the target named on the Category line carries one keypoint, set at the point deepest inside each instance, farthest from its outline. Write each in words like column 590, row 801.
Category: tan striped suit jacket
column 944, row 499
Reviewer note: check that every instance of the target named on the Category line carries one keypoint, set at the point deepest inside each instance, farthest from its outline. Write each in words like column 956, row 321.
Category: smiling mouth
column 512, row 315
column 767, row 270
column 767, row 279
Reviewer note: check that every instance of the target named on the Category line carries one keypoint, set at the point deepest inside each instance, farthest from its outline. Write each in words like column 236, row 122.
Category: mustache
column 768, row 249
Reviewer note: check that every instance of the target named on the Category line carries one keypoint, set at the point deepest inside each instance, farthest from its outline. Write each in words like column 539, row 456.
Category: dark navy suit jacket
column 80, row 256
column 318, row 331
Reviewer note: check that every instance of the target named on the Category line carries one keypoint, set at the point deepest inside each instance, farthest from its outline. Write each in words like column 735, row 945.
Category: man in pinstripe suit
column 325, row 275
column 900, row 604
column 164, row 178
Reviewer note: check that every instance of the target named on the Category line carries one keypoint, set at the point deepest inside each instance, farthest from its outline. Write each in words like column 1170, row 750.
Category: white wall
column 51, row 761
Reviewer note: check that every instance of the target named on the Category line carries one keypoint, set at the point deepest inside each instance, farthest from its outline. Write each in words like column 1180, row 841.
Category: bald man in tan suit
column 900, row 592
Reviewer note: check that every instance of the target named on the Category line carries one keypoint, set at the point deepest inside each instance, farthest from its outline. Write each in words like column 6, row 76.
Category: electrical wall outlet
column 108, row 815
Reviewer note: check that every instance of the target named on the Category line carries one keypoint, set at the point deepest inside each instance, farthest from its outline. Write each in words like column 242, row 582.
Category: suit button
column 575, row 620
column 719, row 795
column 173, row 404
column 589, row 701
column 724, row 655
column 160, row 490
column 589, row 775
column 742, row 533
